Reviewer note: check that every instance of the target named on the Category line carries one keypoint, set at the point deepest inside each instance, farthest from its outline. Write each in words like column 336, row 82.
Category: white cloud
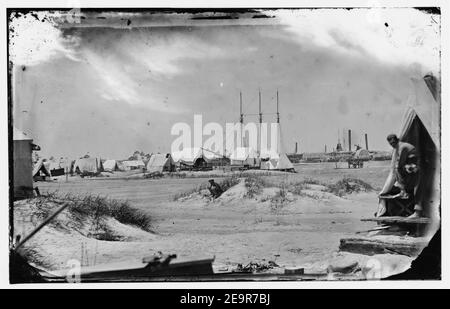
column 135, row 62
column 117, row 85
column 409, row 36
column 160, row 55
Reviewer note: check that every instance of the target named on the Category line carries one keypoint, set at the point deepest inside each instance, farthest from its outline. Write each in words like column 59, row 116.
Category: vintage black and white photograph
column 224, row 144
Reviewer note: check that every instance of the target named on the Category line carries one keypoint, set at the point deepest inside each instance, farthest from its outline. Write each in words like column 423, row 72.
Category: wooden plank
column 371, row 246
column 392, row 197
column 404, row 220
column 378, row 228
column 237, row 277
column 184, row 268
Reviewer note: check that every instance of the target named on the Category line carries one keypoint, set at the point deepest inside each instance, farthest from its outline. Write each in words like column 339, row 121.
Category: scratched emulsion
column 149, row 71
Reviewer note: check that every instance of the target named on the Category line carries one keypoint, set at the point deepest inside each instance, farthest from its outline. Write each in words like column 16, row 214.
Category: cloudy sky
column 115, row 84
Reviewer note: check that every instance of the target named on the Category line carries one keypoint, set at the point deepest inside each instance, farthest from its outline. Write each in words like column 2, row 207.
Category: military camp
column 216, row 145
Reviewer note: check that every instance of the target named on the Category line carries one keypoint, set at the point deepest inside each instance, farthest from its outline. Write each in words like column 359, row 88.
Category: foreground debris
column 408, row 246
column 253, row 267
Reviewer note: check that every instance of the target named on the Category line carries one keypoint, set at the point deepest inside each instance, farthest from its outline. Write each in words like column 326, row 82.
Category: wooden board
column 405, row 220
column 238, row 277
column 392, row 197
column 382, row 245
column 137, row 270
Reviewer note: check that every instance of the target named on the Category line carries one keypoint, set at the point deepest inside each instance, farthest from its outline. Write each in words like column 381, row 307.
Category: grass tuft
column 95, row 208
column 225, row 184
column 254, row 185
column 348, row 186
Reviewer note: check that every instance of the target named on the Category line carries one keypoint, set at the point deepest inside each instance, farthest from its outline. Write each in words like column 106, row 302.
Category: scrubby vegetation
column 96, row 208
column 188, row 193
column 224, row 183
column 298, row 187
column 279, row 199
column 228, row 182
column 339, row 188
column 254, row 185
column 348, row 186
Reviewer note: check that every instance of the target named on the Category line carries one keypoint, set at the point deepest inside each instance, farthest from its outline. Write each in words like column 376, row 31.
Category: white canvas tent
column 362, row 154
column 40, row 170
column 54, row 165
column 160, row 163
column 110, row 166
column 278, row 162
column 58, row 168
column 87, row 165
column 245, row 156
column 189, row 156
column 421, row 128
column 269, row 154
column 275, row 158
column 133, row 164
column 215, row 159
column 211, row 155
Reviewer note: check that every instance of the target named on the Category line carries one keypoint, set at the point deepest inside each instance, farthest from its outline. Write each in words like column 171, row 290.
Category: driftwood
column 392, row 244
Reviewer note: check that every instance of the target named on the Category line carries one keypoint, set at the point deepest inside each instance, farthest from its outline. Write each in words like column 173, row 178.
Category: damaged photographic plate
column 198, row 144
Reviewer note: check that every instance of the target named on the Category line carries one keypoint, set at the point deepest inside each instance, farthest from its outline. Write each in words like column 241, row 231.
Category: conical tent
column 40, row 168
column 279, row 162
column 421, row 128
column 283, row 163
column 276, row 159
column 423, row 105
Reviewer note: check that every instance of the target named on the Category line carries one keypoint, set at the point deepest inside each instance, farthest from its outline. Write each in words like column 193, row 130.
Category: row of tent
column 241, row 156
column 157, row 163
column 420, row 127
column 83, row 166
column 190, row 157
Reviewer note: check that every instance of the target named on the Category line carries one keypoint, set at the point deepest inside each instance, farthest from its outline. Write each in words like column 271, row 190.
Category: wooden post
column 349, row 140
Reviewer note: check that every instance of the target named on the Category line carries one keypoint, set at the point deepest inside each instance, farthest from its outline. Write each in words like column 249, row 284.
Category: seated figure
column 401, row 185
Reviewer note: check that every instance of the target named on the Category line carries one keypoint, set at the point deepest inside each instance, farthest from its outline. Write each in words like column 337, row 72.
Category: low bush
column 224, row 183
column 348, row 186
column 97, row 208
column 254, row 185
